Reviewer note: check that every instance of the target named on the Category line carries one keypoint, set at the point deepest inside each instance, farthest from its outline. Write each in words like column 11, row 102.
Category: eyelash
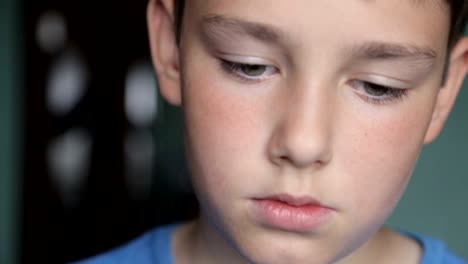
column 390, row 94
column 235, row 69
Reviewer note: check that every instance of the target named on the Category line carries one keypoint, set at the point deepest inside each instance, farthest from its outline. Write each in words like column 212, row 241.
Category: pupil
column 253, row 70
column 376, row 90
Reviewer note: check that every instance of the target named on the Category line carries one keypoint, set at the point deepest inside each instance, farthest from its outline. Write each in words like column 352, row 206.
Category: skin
column 307, row 125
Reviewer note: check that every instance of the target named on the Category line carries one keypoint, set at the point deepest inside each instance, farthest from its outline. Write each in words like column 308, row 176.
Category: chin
column 281, row 257
column 283, row 248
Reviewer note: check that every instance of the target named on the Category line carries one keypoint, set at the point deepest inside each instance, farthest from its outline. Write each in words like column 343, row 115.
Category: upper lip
column 292, row 200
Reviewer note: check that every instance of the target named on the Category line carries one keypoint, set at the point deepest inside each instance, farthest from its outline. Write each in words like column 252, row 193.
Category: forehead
column 286, row 6
column 425, row 21
column 441, row 4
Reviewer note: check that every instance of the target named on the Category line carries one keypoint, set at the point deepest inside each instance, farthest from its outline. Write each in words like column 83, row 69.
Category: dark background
column 108, row 37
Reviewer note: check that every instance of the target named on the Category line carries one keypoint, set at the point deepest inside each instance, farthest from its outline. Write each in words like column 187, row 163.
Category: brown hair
column 458, row 11
column 179, row 13
column 459, row 16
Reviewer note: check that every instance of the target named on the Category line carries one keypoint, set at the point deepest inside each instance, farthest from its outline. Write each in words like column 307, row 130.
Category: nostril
column 303, row 155
column 284, row 158
column 300, row 143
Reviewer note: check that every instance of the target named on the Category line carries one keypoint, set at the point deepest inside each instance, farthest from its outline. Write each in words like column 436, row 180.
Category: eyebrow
column 220, row 25
column 419, row 55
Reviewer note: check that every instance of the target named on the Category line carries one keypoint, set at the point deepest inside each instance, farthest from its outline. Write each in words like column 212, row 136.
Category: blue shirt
column 154, row 248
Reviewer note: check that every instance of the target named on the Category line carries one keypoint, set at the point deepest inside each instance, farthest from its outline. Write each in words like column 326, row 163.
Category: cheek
column 222, row 133
column 382, row 155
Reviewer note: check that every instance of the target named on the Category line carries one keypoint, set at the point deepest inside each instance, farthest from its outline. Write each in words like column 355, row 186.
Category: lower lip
column 280, row 215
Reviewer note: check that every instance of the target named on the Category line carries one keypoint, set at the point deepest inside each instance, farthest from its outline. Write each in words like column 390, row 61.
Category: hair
column 178, row 13
column 458, row 19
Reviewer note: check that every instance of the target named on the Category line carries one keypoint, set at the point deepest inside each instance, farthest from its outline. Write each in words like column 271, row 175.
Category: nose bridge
column 304, row 132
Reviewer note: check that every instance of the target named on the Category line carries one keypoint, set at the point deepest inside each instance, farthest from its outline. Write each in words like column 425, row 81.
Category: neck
column 199, row 242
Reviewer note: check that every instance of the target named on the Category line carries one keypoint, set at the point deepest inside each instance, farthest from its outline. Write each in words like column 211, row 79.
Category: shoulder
column 409, row 247
column 434, row 251
column 151, row 247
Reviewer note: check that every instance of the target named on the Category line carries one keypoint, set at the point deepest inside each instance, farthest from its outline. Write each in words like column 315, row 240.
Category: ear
column 458, row 66
column 164, row 50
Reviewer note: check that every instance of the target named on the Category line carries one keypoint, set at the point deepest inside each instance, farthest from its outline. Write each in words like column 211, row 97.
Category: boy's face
column 301, row 156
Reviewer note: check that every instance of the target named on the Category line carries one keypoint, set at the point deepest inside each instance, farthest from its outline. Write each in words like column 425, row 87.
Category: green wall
column 9, row 145
column 436, row 201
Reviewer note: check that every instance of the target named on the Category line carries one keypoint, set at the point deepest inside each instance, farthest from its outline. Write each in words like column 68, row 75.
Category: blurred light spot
column 66, row 83
column 139, row 158
column 68, row 158
column 140, row 95
column 51, row 31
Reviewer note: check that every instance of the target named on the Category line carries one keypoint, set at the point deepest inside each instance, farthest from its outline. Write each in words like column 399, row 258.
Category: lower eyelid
column 394, row 94
column 232, row 67
column 227, row 68
column 358, row 84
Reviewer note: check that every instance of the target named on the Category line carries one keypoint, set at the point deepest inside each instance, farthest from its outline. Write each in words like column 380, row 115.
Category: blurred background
column 90, row 156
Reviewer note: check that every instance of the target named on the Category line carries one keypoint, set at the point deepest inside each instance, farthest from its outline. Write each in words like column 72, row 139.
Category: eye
column 252, row 70
column 375, row 90
column 376, row 93
column 248, row 72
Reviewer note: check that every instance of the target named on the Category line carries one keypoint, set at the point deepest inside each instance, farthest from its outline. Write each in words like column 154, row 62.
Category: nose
column 302, row 136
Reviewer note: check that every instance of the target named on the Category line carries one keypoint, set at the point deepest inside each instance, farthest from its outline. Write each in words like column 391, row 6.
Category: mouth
column 290, row 213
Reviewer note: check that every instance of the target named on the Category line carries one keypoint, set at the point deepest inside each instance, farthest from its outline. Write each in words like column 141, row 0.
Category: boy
column 303, row 122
